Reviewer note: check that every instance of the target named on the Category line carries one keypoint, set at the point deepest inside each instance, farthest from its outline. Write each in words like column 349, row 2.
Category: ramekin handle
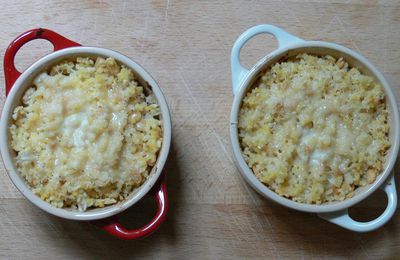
column 10, row 72
column 238, row 71
column 114, row 227
column 342, row 218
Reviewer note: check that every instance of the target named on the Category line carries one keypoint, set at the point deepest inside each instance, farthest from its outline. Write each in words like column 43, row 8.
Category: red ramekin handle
column 114, row 227
column 11, row 73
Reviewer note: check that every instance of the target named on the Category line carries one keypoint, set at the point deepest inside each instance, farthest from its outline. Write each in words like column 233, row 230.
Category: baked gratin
column 86, row 134
column 313, row 129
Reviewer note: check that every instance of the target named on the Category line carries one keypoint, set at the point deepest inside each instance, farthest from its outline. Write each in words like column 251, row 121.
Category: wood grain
column 186, row 45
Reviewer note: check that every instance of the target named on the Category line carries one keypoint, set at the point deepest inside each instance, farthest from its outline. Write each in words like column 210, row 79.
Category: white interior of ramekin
column 355, row 60
column 14, row 99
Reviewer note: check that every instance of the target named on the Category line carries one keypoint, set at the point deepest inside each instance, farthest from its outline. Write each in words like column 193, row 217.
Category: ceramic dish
column 17, row 83
column 289, row 46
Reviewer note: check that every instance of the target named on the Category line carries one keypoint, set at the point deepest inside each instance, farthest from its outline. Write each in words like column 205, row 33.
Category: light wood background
column 186, row 45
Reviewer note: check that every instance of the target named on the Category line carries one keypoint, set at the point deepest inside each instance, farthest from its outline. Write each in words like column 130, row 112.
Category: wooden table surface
column 186, row 45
